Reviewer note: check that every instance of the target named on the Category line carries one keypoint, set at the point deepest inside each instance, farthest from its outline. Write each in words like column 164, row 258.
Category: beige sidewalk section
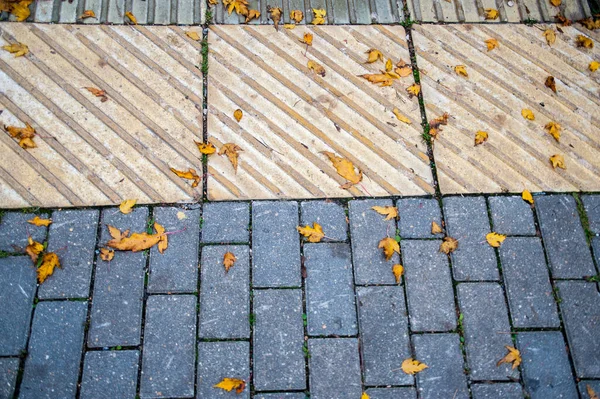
column 91, row 152
column 501, row 83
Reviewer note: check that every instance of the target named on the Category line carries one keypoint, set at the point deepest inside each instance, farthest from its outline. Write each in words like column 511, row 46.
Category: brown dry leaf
column 252, row 14
column 374, row 55
column 390, row 212
column 312, row 234
column 495, row 239
column 491, row 13
column 389, row 65
column 440, row 120
column 491, row 44
column 18, row 49
column 275, row 15
column 561, row 19
column 550, row 83
column 436, row 228
column 127, row 206
column 528, row 114
column 398, row 271
column 316, row 67
column 131, row 17
column 318, row 16
column 594, row 65
column 449, row 245
column 389, row 246
column 87, row 14
column 526, row 195
column 240, row 6
column 296, row 16
column 190, row 175
column 228, row 261
column 229, row 384
column 557, row 161
column 49, row 262
column 382, row 79
column 461, row 70
column 37, row 221
column 137, row 241
column 403, row 71
column 556, row 3
column 237, row 114
column 553, row 129
column 98, row 93
column 590, row 391
column 33, row 249
column 401, row 117
column 344, row 168
column 414, row 89
column 231, row 150
column 410, row 366
column 550, row 36
column 480, row 137
column 513, row 356
column 107, row 254
column 307, row 38
column 192, row 34
column 23, row 134
column 205, row 148
column 21, row 10
column 584, row 41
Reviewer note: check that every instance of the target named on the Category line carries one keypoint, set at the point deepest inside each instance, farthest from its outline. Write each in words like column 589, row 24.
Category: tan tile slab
column 501, row 83
column 92, row 152
column 291, row 114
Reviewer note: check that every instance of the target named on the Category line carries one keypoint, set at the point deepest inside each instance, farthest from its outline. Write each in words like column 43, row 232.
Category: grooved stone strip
column 14, row 230
column 110, row 374
column 54, row 353
column 9, row 368
column 334, row 368
column 218, row 360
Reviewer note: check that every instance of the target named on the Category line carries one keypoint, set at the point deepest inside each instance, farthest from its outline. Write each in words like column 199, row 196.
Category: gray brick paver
column 225, row 222
column 498, row 390
column 334, row 368
column 511, row 216
column 110, row 374
column 9, row 368
column 218, row 360
column 591, row 204
column 392, row 393
column 330, row 215
column 416, row 215
column 14, row 231
column 281, row 395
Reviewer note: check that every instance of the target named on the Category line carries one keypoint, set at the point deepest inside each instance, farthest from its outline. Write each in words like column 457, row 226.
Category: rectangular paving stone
column 392, row 393
column 546, row 367
column 530, row 295
column 73, row 237
column 564, row 239
column 383, row 325
column 9, row 368
column 110, row 374
column 54, row 353
column 484, row 316
column 416, row 216
column 334, row 368
column 176, row 270
column 278, row 340
column 275, row 242
column 445, row 376
column 428, row 286
column 18, row 282
column 225, row 222
column 218, row 360
column 330, row 215
column 116, row 316
column 281, row 395
column 511, row 216
column 467, row 221
column 14, row 231
column 583, row 388
column 591, row 204
column 498, row 390
column 169, row 347
column 580, row 309
column 367, row 228
column 224, row 296
column 330, row 305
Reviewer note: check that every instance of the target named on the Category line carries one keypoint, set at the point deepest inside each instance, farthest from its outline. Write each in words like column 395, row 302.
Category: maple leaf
column 313, row 234
column 513, row 356
column 556, row 3
column 527, row 114
column 98, row 93
column 252, row 14
column 37, row 221
column 553, row 129
column 318, row 16
column 590, row 391
column 448, row 245
column 231, row 150
column 205, row 148
column 107, row 254
column 594, row 65
column 526, row 195
column 237, row 114
column 296, row 16
column 127, row 206
column 382, row 79
column 33, row 249
column 398, row 270
column 435, row 228
column 403, row 71
column 584, row 41
column 316, row 67
column 21, row 10
column 550, row 83
column 461, row 70
column 137, row 241
column 229, row 384
column 131, row 17
column 410, row 366
column 307, row 38
column 228, row 261
column 480, row 137
column 557, row 161
column 190, row 175
column 401, row 117
column 491, row 44
column 192, row 34
column 364, row 396
column 491, row 13
column 389, row 246
column 390, row 211
column 87, row 14
column 275, row 15
column 23, row 134
column 550, row 36
column 18, row 49
column 414, row 89
column 374, row 55
column 240, row 6
column 49, row 262
column 344, row 168
column 495, row 239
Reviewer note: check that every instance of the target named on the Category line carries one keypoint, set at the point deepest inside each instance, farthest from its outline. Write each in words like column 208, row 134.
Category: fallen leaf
column 594, row 65
column 190, row 175
column 526, row 195
column 374, row 55
column 296, row 16
column 163, row 242
column 205, row 148
column 87, row 14
column 228, row 261
column 289, row 26
column 18, row 49
column 590, row 391
column 252, row 14
column 181, row 215
column 313, row 234
column 21, row 10
column 364, row 396
column 237, row 114
column 37, row 221
column 228, row 384
column 389, row 65
column 107, row 254
column 390, row 211
column 98, row 93
column 414, row 89
column 33, row 249
column 590, row 23
column 378, row 78
column 491, row 13
column 389, row 246
column 461, row 70
column 556, row 3
column 116, row 233
column 480, row 137
column 318, row 16
column 401, row 117
column 449, row 245
column 553, row 129
column 23, row 134
column 403, row 71
column 240, row 6
column 137, row 241
column 491, row 44
column 584, row 41
column 316, row 67
column 557, row 161
column 275, row 15
column 127, row 206
column 307, row 38
column 528, row 114
column 495, row 239
column 550, row 83
column 513, row 356
column 440, row 120
column 436, row 228
column 550, row 36
column 561, row 19
column 410, row 366
column 344, row 168
column 213, row 2
column 192, row 34
column 398, row 270
column 49, row 262
column 231, row 150
column 131, row 17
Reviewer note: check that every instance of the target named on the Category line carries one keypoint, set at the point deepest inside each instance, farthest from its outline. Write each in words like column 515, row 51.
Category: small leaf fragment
column 318, row 16
column 127, row 206
column 390, row 212
column 374, row 55
column 231, row 151
column 480, row 137
column 513, row 356
column 228, row 384
column 448, row 245
column 33, row 249
column 307, row 39
column 495, row 239
column 98, row 93
column 312, row 234
column 526, row 195
column 344, row 168
column 275, row 15
column 49, row 262
column 316, row 67
column 436, row 228
column 404, row 71
column 364, row 396
column 414, row 89
column 410, row 366
column 389, row 65
column 192, row 34
column 527, row 114
column 401, row 117
column 252, row 14
column 205, row 148
column 240, row 6
column 553, row 129
column 584, row 41
column 87, row 14
column 228, row 261
column 551, row 83
column 37, row 221
column 491, row 44
column 590, row 391
column 389, row 246
column 289, row 26
column 491, row 13
column 297, row 16
column 163, row 242
column 461, row 70
column 190, row 174
column 237, row 114
column 398, row 271
column 594, row 65
column 556, row 3
column 18, row 49
column 550, row 36
column 131, row 17
column 107, row 254
column 557, row 161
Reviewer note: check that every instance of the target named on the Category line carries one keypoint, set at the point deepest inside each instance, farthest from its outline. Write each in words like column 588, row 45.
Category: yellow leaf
column 163, row 242
column 378, row 78
column 23, row 134
column 495, row 239
column 316, row 67
column 389, row 246
column 116, row 233
column 590, row 391
column 553, row 129
column 190, row 175
column 513, row 356
column 594, row 65
column 401, row 117
column 389, row 211
column 528, row 114
column 33, row 249
column 461, row 70
column 526, row 195
column 403, row 71
column 414, row 89
column 127, row 205
column 550, row 36
column 275, row 15
column 398, row 270
column 137, row 241
column 252, row 14
column 228, row 384
column 557, row 161
column 18, row 49
column 410, row 366
column 49, row 262
column 436, row 228
column 307, row 38
column 289, row 26
column 37, row 221
column 21, row 10
column 584, row 41
column 491, row 44
column 228, row 261
column 192, row 34
column 556, row 3
column 449, row 245
column 491, row 13
column 318, row 16
column 213, row 2
column 550, row 83
column 344, row 168
column 296, row 16
column 374, row 55
column 240, row 6
column 480, row 137
column 313, row 234
column 131, row 17
column 364, row 396
column 107, row 254
column 590, row 23
column 237, row 114
column 231, row 150
column 389, row 65
column 88, row 14
column 205, row 148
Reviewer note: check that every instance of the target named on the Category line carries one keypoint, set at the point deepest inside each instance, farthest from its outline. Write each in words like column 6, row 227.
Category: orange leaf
column 491, row 13
column 390, row 211
column 131, row 17
column 88, row 14
column 107, row 254
column 252, row 14
column 49, row 262
column 190, row 175
column 449, row 245
column 344, row 168
column 553, row 129
column 410, row 366
column 389, row 246
column 205, row 148
column 383, row 79
column 398, row 270
column 513, row 356
column 37, row 221
column 526, row 195
column 480, row 137
column 137, row 241
column 491, row 44
column 528, row 114
column 237, row 114
column 435, row 228
column 240, row 6
column 557, row 161
column 192, row 34
column 229, row 384
column 24, row 134
column 313, row 234
column 584, row 41
column 228, row 261
column 414, row 89
column 296, row 16
column 316, row 67
column 461, row 70
column 275, row 15
column 33, row 249
column 127, row 206
column 374, row 55
column 231, row 150
column 307, row 38
column 495, row 239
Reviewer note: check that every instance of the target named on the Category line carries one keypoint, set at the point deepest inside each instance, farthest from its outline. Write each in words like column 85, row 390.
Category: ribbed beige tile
column 501, row 83
column 92, row 152
column 291, row 114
